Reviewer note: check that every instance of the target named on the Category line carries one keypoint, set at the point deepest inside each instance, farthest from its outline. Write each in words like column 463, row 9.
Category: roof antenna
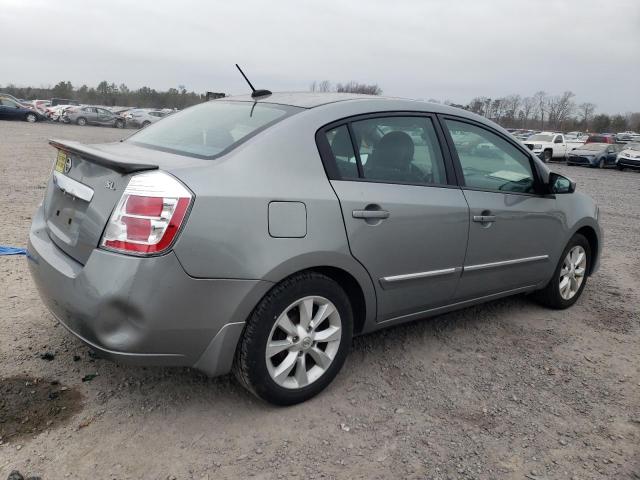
column 255, row 93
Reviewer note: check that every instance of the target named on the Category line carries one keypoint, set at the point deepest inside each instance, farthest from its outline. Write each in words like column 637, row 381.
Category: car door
column 612, row 153
column 9, row 109
column 559, row 146
column 105, row 117
column 514, row 230
column 406, row 220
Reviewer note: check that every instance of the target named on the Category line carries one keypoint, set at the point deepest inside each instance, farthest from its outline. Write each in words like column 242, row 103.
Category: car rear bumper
column 142, row 311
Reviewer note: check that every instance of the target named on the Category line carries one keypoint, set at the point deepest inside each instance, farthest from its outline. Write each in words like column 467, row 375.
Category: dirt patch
column 29, row 406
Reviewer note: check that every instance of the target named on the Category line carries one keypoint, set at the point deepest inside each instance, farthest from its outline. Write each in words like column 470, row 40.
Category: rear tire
column 552, row 295
column 279, row 321
column 146, row 123
column 119, row 124
column 601, row 163
column 81, row 121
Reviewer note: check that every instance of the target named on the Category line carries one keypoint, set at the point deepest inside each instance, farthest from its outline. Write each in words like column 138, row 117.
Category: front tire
column 546, row 156
column 81, row 121
column 569, row 277
column 601, row 163
column 119, row 124
column 296, row 340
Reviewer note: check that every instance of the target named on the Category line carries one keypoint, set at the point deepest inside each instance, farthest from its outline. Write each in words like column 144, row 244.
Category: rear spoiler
column 99, row 157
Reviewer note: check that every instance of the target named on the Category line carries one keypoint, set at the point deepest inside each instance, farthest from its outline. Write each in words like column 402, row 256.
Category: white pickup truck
column 549, row 145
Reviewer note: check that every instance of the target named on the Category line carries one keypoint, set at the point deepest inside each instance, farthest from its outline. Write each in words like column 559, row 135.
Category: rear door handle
column 370, row 214
column 484, row 218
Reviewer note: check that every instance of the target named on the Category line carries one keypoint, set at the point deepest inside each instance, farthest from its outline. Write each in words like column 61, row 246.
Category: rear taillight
column 149, row 215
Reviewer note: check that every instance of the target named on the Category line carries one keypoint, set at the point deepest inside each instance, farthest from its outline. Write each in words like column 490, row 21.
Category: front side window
column 488, row 161
column 211, row 128
column 399, row 150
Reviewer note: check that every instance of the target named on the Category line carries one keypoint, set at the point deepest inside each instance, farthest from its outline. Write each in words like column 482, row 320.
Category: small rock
column 76, row 358
column 18, row 447
column 399, row 411
column 15, row 475
column 345, row 427
column 47, row 356
column 563, row 442
column 242, row 457
column 89, row 377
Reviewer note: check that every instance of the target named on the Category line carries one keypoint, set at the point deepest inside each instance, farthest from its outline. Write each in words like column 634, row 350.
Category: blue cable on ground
column 12, row 250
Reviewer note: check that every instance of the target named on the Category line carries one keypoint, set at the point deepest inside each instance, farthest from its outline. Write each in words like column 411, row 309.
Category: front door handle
column 375, row 214
column 484, row 218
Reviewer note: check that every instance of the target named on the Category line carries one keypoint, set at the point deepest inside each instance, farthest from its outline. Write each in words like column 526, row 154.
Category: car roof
column 301, row 99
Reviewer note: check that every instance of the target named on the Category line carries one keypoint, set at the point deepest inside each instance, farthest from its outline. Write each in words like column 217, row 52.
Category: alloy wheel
column 572, row 272
column 303, row 342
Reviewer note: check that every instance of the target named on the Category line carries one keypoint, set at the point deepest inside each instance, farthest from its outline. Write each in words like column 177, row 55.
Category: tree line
column 540, row 111
column 110, row 94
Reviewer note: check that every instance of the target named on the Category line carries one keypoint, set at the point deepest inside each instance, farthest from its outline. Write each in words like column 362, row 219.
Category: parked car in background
column 601, row 138
column 90, row 115
column 629, row 157
column 548, row 146
column 143, row 118
column 625, row 137
column 56, row 113
column 356, row 222
column 63, row 101
column 594, row 155
column 12, row 110
column 16, row 100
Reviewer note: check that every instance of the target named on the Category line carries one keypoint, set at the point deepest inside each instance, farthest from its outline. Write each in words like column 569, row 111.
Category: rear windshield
column 540, row 138
column 212, row 128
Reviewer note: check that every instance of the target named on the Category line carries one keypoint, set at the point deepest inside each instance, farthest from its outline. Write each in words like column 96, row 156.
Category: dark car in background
column 12, row 110
column 594, row 155
column 91, row 115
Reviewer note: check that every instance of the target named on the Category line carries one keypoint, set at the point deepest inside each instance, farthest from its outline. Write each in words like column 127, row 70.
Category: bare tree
column 527, row 110
column 476, row 105
column 559, row 108
column 356, row 87
column 540, row 99
column 586, row 112
column 321, row 86
column 511, row 104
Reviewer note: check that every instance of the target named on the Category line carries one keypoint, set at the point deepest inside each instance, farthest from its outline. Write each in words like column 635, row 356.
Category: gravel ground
column 506, row 390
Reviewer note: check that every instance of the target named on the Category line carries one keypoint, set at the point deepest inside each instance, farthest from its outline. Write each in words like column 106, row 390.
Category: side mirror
column 560, row 184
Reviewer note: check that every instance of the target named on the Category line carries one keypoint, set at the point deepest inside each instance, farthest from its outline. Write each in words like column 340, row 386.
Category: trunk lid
column 85, row 185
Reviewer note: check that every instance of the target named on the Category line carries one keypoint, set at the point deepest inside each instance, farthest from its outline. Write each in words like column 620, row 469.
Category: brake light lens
column 148, row 216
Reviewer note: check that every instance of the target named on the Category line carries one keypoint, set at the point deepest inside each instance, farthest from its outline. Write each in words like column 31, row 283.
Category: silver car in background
column 143, row 118
column 92, row 115
column 260, row 235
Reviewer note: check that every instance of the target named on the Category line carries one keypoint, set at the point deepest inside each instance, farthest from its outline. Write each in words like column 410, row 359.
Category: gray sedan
column 260, row 235
column 90, row 115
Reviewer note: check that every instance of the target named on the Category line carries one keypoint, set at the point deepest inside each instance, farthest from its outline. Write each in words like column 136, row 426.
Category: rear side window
column 488, row 161
column 212, row 128
column 389, row 149
column 342, row 148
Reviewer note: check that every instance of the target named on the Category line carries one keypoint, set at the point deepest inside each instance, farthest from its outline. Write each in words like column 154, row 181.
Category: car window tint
column 400, row 149
column 489, row 162
column 210, row 128
column 343, row 153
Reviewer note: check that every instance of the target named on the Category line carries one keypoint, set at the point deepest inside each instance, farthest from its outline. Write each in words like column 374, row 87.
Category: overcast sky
column 442, row 49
